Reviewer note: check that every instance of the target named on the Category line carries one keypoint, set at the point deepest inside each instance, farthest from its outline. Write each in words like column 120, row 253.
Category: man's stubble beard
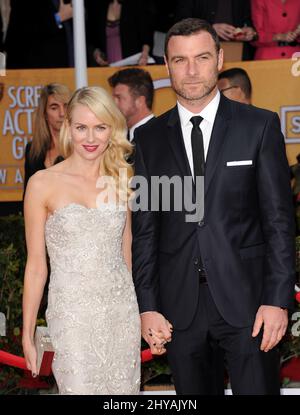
column 206, row 90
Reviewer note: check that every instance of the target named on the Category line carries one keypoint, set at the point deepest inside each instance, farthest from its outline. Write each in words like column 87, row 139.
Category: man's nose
column 191, row 67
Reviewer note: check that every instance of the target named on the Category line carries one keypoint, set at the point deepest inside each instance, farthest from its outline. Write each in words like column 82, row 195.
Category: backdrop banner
column 276, row 86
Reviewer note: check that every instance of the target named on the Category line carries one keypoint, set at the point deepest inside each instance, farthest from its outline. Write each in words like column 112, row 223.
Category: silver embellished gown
column 92, row 314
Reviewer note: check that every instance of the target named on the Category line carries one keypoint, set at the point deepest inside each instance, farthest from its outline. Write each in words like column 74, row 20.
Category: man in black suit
column 226, row 280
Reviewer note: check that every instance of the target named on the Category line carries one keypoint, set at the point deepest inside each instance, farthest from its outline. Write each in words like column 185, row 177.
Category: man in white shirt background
column 133, row 92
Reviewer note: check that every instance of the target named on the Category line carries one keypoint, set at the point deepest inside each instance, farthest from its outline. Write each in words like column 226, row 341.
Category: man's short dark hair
column 191, row 26
column 238, row 77
column 138, row 81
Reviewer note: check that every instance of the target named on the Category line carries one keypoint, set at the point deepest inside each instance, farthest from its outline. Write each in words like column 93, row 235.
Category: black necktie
column 197, row 147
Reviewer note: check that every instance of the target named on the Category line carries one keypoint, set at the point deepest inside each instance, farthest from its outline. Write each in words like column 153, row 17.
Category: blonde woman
column 43, row 151
column 92, row 314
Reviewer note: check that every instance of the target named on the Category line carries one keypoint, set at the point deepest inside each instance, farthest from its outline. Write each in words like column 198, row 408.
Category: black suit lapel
column 217, row 140
column 177, row 144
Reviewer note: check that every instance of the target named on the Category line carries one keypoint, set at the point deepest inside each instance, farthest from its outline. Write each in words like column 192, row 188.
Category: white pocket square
column 239, row 163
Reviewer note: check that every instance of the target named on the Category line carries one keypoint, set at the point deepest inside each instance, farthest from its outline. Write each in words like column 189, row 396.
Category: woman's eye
column 100, row 128
column 80, row 128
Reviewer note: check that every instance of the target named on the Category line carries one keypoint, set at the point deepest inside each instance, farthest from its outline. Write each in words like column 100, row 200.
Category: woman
column 43, row 151
column 277, row 23
column 92, row 314
column 117, row 29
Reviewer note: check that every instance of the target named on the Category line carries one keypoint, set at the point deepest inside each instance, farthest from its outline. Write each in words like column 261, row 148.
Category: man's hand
column 65, row 11
column 275, row 322
column 156, row 331
column 224, row 30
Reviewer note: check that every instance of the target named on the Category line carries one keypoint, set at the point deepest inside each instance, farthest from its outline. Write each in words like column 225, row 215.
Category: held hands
column 30, row 356
column 156, row 331
column 275, row 322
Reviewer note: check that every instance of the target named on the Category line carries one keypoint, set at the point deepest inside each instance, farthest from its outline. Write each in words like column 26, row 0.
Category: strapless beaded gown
column 92, row 313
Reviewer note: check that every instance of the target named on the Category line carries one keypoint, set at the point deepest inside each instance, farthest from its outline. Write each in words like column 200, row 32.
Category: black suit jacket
column 136, row 25
column 206, row 9
column 246, row 238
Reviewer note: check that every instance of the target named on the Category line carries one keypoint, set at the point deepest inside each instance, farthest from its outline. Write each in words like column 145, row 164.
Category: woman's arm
column 127, row 241
column 35, row 213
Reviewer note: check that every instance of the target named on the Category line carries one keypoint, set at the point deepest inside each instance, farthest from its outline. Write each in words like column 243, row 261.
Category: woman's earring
column 109, row 143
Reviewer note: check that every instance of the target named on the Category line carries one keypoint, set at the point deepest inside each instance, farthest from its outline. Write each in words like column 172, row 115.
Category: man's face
column 231, row 91
column 193, row 65
column 125, row 101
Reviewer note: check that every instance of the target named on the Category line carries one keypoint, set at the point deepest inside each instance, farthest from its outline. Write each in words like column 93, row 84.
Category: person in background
column 231, row 19
column 164, row 19
column 42, row 152
column 277, row 24
column 133, row 93
column 39, row 34
column 235, row 84
column 117, row 29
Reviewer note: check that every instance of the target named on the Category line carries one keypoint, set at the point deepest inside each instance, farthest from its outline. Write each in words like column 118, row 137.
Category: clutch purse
column 45, row 351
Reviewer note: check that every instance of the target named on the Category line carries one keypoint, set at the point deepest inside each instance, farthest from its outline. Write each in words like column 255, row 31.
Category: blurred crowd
column 39, row 34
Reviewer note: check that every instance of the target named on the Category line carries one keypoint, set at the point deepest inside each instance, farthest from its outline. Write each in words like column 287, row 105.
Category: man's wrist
column 58, row 20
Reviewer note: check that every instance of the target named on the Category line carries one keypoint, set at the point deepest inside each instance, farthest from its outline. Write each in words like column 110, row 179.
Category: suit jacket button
column 201, row 223
column 196, row 261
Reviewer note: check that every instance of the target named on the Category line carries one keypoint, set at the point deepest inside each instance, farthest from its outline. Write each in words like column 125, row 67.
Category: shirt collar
column 208, row 113
column 138, row 124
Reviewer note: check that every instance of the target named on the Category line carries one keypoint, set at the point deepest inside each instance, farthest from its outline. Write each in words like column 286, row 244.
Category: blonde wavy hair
column 115, row 156
column 41, row 141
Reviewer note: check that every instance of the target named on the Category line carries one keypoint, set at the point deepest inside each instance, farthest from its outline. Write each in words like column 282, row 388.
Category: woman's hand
column 98, row 56
column 224, row 30
column 285, row 37
column 144, row 56
column 30, row 356
column 247, row 34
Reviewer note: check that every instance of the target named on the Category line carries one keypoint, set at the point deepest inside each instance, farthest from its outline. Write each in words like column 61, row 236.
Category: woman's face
column 55, row 113
column 90, row 136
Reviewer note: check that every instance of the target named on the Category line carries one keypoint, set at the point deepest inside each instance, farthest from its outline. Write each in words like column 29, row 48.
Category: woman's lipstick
column 90, row 149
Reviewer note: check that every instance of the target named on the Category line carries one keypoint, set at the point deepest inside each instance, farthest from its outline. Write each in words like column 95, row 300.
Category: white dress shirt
column 138, row 124
column 208, row 114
